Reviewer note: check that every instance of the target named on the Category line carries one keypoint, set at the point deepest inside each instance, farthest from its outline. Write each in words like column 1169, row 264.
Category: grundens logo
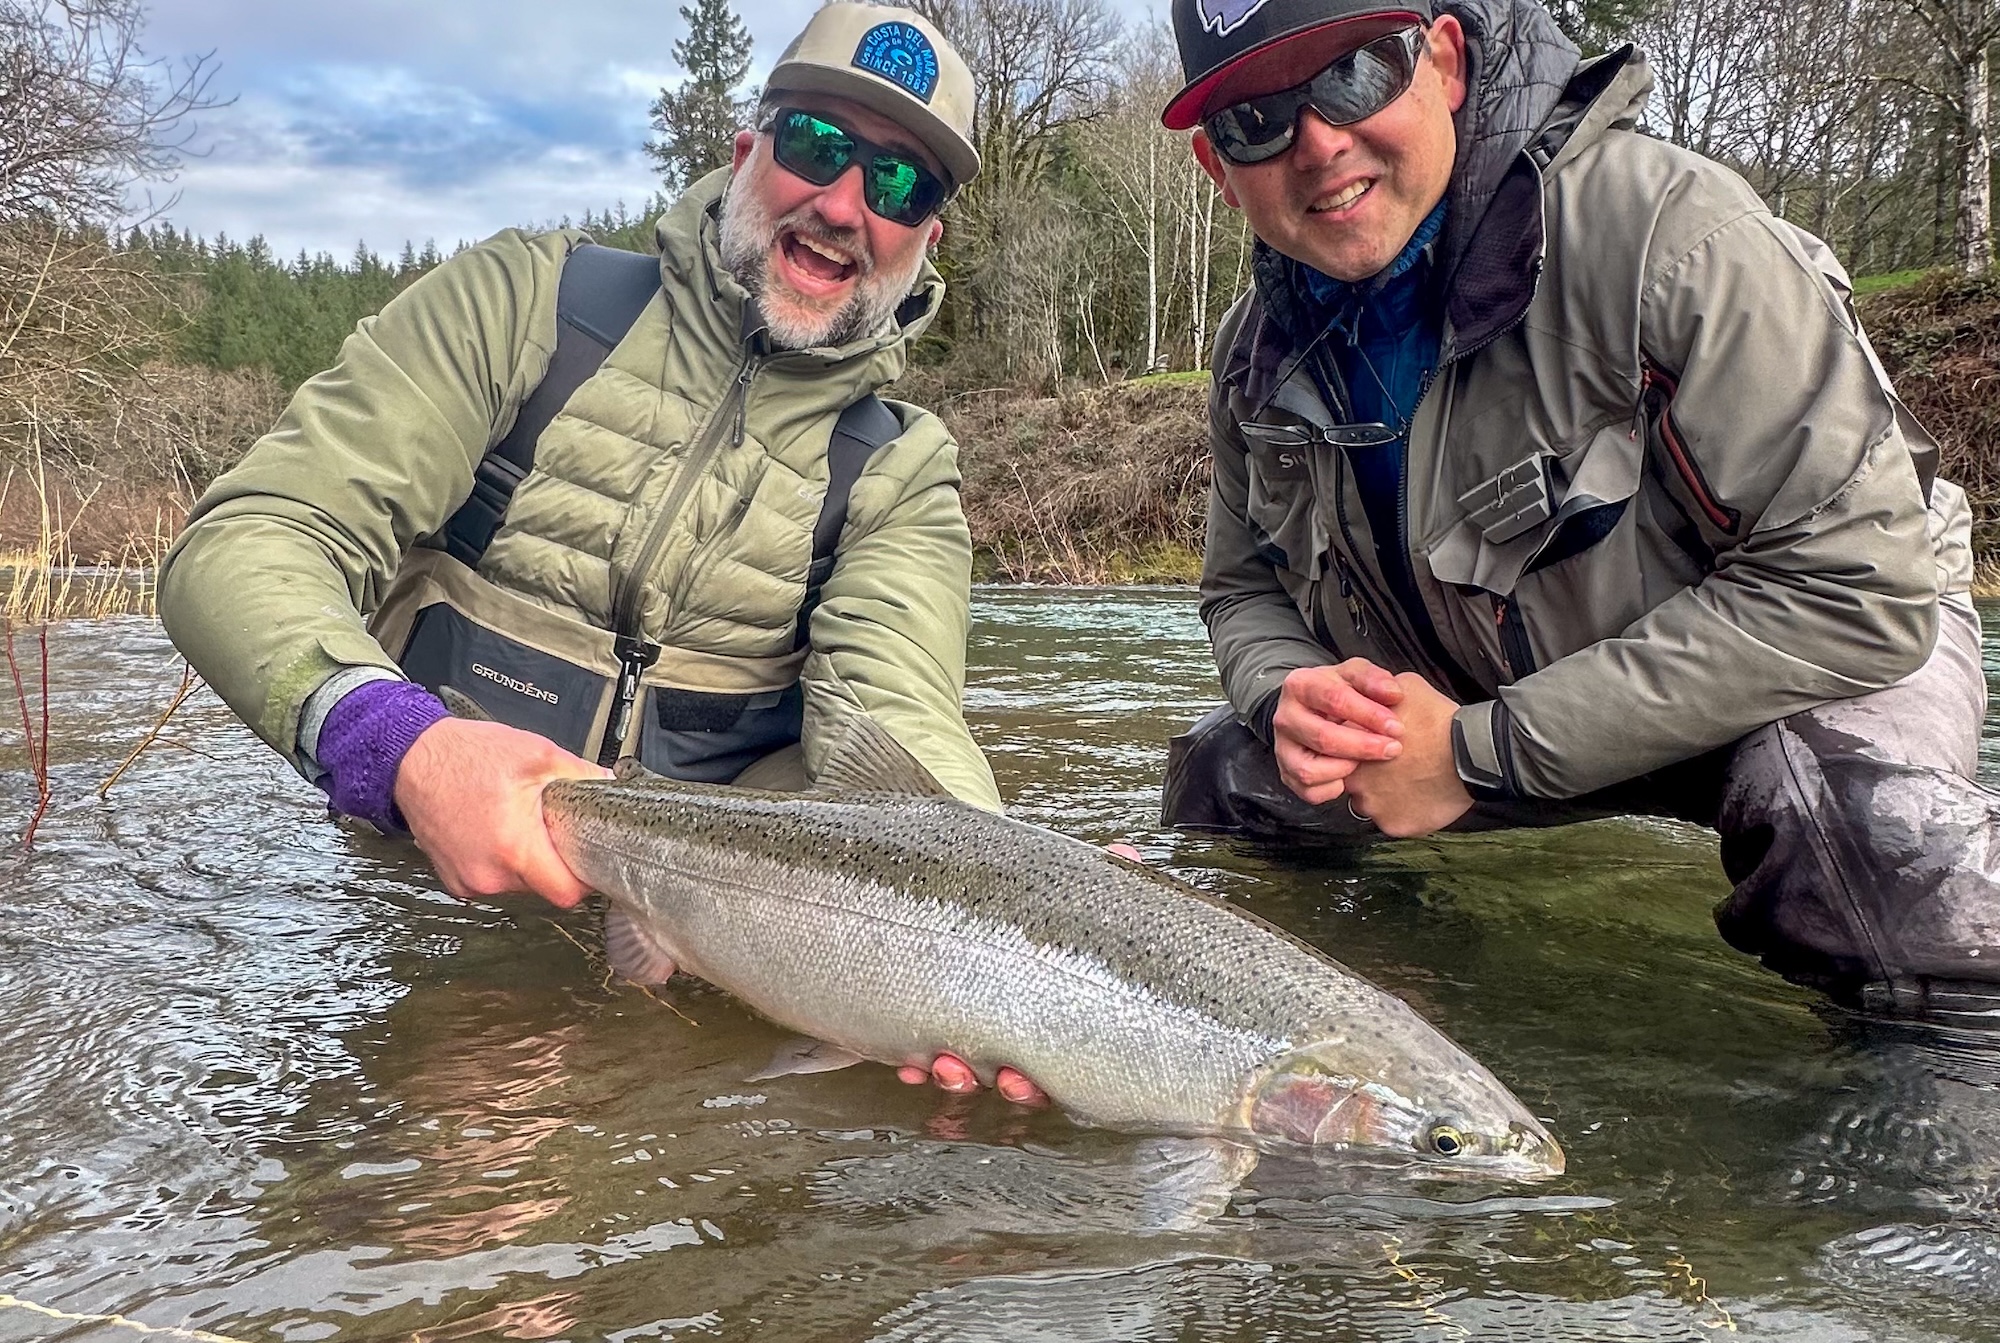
column 528, row 688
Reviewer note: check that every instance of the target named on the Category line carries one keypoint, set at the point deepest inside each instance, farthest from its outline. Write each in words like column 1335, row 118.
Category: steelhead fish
column 895, row 923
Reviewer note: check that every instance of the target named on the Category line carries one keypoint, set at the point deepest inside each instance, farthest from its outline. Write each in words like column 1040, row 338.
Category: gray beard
column 748, row 234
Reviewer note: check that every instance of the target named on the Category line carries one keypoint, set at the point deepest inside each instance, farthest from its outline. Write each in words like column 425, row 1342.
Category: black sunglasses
column 894, row 183
column 1353, row 88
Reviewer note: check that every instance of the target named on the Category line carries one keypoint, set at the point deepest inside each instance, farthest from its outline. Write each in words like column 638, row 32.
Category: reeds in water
column 47, row 581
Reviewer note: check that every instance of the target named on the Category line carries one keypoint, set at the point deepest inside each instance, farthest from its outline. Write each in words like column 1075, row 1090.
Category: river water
column 260, row 1080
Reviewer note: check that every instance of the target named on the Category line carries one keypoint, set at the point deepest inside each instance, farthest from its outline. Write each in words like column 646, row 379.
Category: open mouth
column 822, row 264
column 1344, row 199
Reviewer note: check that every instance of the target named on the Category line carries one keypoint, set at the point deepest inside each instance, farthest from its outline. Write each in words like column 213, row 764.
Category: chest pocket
column 1281, row 513
column 1535, row 564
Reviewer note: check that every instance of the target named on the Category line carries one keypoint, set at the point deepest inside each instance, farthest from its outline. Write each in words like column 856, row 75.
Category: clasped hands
column 1381, row 741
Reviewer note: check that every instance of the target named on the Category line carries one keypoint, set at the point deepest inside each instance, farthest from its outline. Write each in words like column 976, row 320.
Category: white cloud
column 448, row 119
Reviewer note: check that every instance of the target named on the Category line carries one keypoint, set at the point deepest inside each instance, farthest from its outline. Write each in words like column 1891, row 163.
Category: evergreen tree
column 697, row 122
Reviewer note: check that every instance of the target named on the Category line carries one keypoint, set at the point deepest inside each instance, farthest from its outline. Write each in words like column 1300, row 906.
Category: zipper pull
column 634, row 656
column 742, row 401
column 1355, row 614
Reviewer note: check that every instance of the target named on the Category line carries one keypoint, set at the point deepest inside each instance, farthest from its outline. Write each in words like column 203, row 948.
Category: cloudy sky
column 366, row 120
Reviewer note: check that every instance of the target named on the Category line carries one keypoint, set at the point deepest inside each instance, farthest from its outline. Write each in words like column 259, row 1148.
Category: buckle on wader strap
column 635, row 655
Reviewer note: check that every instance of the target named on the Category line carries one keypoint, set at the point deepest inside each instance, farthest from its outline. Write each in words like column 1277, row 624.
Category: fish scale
column 899, row 927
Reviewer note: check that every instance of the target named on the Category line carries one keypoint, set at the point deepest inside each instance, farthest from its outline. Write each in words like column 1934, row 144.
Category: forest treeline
column 1088, row 264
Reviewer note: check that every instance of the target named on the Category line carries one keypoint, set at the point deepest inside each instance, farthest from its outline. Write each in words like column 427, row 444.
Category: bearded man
column 675, row 567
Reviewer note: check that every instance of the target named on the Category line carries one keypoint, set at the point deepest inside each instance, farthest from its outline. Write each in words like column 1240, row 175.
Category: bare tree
column 83, row 112
column 1965, row 31
column 83, row 115
column 1043, row 65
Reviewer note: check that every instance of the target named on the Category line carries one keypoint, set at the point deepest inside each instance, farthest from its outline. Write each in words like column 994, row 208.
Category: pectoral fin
column 635, row 955
column 1187, row 1182
column 806, row 1056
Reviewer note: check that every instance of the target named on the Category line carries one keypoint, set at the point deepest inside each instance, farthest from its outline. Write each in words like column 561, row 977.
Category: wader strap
column 602, row 292
column 862, row 428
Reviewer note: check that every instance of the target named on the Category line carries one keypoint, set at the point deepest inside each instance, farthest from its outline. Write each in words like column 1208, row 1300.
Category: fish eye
column 1448, row 1141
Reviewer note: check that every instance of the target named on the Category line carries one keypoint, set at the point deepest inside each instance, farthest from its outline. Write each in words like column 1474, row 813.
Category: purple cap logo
column 1224, row 17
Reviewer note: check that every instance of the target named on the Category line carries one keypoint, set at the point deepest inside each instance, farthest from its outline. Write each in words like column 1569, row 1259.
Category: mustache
column 808, row 223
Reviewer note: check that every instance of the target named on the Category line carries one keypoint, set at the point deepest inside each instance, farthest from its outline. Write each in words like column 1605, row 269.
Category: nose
column 1317, row 141
column 841, row 204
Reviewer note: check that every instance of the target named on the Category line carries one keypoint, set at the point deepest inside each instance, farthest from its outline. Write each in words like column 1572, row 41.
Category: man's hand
column 472, row 796
column 954, row 1074
column 1418, row 791
column 1331, row 719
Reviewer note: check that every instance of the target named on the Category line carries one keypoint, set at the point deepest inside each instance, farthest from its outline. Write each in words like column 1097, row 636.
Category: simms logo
column 1223, row 17
column 528, row 688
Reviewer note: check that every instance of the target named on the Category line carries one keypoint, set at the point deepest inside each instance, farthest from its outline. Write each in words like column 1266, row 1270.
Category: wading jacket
column 1659, row 491
column 682, row 480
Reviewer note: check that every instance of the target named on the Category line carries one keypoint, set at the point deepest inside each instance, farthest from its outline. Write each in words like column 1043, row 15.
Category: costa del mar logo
column 901, row 54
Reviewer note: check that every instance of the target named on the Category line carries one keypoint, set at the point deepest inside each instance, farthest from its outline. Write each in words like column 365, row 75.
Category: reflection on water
column 259, row 1079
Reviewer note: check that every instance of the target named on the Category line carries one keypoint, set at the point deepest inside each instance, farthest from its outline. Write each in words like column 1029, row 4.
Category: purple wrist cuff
column 363, row 742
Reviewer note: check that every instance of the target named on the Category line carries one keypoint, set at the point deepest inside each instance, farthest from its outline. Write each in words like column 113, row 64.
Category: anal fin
column 805, row 1055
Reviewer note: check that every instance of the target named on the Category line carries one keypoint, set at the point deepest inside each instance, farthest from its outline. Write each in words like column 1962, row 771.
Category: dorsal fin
column 627, row 769
column 867, row 759
column 462, row 705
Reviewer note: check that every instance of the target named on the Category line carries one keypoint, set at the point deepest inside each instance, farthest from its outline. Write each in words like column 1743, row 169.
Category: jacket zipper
column 1355, row 615
column 1505, row 611
column 1355, row 586
column 635, row 653
column 1515, row 648
column 1651, row 376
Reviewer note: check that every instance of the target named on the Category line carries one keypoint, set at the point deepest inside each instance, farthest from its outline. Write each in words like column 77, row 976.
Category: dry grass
column 1108, row 484
column 1939, row 338
column 47, row 576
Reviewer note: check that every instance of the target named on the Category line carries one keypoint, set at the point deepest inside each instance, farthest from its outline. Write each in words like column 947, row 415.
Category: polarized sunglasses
column 1353, row 88
column 894, row 183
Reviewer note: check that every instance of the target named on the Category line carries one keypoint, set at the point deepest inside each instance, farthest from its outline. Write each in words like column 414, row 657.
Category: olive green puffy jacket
column 268, row 589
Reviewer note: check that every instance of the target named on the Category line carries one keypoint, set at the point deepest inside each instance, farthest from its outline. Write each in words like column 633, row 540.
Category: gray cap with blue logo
column 891, row 61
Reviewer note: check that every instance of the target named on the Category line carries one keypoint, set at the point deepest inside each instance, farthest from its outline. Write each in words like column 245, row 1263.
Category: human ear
column 1447, row 43
column 1211, row 163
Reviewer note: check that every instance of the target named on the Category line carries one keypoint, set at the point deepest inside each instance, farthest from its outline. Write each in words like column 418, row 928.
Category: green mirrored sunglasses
column 894, row 183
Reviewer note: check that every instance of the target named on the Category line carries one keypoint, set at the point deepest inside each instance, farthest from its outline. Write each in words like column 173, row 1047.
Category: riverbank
column 1109, row 484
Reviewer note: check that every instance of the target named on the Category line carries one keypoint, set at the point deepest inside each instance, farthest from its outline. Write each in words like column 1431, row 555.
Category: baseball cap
column 1215, row 36
column 891, row 61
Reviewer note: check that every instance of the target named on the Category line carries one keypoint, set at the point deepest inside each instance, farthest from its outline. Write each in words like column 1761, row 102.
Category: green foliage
column 697, row 122
column 248, row 310
column 617, row 227
column 252, row 310
column 1865, row 285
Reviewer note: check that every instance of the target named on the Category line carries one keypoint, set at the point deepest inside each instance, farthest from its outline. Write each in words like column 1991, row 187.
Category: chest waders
column 602, row 693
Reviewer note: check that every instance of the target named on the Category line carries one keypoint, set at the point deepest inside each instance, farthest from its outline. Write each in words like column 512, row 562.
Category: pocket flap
column 1560, row 505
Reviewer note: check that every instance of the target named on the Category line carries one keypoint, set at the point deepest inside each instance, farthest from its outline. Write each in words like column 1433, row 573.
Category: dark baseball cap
column 1215, row 36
